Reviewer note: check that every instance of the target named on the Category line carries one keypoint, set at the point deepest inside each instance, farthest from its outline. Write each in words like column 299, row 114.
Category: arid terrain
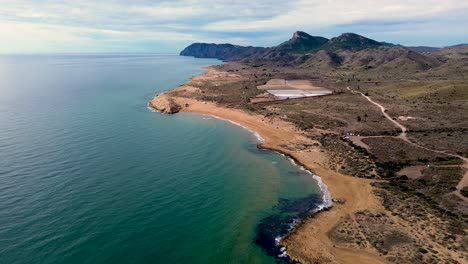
column 391, row 145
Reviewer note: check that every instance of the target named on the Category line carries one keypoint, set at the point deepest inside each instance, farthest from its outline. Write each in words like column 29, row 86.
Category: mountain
column 347, row 51
column 424, row 49
column 290, row 51
column 351, row 41
column 456, row 52
column 227, row 52
column 384, row 59
column 437, row 49
column 456, row 58
column 301, row 42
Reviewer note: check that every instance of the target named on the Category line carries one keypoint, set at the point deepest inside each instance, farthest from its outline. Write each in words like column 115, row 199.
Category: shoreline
column 309, row 234
column 255, row 133
column 326, row 203
column 326, row 197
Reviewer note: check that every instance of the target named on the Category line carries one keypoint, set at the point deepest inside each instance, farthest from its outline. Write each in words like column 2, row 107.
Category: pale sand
column 309, row 241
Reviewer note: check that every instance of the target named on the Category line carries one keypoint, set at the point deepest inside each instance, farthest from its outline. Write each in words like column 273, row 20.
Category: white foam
column 283, row 253
column 326, row 196
column 256, row 134
column 151, row 109
column 326, row 203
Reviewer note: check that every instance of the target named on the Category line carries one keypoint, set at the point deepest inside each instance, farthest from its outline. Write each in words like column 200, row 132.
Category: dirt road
column 403, row 135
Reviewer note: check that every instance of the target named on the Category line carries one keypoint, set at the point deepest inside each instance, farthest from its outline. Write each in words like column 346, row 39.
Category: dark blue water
column 89, row 175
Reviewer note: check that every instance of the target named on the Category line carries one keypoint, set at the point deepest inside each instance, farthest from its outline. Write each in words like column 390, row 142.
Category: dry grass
column 424, row 222
column 388, row 149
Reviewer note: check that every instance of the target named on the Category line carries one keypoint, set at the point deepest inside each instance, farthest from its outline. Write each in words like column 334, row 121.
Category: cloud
column 167, row 13
column 40, row 37
column 316, row 14
column 51, row 25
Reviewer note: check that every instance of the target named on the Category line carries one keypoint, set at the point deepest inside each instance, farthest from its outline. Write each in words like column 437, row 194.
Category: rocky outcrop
column 301, row 42
column 165, row 104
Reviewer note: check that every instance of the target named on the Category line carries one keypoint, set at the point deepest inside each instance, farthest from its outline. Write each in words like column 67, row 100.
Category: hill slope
column 348, row 51
column 301, row 42
column 351, row 41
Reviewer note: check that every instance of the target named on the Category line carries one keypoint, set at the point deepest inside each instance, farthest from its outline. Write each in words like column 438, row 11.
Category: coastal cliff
column 226, row 52
column 164, row 104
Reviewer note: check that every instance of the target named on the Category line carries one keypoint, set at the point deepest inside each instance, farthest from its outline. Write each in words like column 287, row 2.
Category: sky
column 48, row 26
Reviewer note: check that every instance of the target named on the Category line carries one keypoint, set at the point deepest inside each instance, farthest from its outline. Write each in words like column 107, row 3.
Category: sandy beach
column 308, row 242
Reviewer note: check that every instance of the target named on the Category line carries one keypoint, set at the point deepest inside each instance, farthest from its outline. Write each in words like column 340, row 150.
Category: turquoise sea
column 88, row 174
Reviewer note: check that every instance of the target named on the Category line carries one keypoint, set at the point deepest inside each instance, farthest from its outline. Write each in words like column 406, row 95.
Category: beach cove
column 308, row 241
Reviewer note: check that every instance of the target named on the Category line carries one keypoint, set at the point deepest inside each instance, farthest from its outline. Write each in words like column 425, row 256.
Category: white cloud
column 85, row 25
column 39, row 37
column 164, row 13
column 316, row 14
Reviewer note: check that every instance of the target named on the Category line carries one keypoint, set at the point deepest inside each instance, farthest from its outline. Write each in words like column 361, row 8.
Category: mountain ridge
column 347, row 51
column 300, row 43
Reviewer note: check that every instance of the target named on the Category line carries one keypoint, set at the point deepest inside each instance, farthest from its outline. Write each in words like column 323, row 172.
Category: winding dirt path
column 384, row 112
column 403, row 135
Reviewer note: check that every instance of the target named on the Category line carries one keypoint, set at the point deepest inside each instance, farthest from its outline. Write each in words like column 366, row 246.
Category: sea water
column 89, row 175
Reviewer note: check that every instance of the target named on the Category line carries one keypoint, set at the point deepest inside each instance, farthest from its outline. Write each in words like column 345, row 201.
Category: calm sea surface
column 89, row 175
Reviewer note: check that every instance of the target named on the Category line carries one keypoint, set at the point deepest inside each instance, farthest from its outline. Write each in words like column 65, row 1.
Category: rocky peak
column 351, row 41
column 300, row 35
